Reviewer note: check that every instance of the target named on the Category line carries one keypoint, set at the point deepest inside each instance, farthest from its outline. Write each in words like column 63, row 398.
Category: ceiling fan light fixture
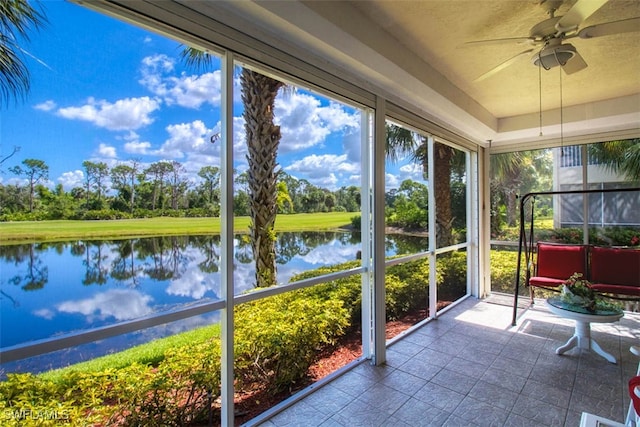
column 554, row 56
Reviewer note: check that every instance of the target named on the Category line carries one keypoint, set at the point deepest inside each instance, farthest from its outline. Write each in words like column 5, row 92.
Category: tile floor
column 470, row 367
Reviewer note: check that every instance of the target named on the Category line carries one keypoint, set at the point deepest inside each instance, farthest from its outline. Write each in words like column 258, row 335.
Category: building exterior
column 604, row 209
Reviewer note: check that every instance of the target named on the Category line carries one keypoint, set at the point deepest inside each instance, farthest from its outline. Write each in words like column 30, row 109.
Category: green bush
column 103, row 214
column 453, row 269
column 503, row 271
column 280, row 337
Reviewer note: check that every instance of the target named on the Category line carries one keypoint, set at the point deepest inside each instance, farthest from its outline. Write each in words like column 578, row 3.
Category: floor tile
column 471, row 367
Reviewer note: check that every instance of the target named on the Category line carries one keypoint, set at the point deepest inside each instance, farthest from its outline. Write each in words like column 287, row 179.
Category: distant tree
column 516, row 173
column 157, row 172
column 505, row 181
column 57, row 203
column 410, row 205
column 123, row 178
column 13, row 199
column 348, row 198
column 211, row 182
column 35, row 171
column 329, row 202
column 177, row 182
column 241, row 195
column 97, row 172
column 17, row 19
column 401, row 142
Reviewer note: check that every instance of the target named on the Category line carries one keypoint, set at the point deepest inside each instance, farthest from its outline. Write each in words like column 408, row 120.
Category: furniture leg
column 573, row 341
column 598, row 350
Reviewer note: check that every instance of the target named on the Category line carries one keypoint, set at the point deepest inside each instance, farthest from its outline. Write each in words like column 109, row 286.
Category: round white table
column 582, row 336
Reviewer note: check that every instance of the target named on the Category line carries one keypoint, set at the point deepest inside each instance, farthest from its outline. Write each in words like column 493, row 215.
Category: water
column 53, row 289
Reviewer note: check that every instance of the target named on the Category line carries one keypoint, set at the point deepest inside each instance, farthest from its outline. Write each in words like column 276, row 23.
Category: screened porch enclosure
column 306, row 114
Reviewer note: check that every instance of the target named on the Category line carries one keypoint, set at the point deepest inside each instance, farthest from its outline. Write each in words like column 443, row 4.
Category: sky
column 104, row 90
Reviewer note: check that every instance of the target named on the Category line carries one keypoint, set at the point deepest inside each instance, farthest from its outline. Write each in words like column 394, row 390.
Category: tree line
column 163, row 188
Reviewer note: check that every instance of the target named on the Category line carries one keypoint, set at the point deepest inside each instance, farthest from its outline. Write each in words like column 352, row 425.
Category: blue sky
column 106, row 91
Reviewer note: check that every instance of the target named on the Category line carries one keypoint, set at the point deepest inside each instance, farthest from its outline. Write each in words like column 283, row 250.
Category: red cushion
column 561, row 261
column 616, row 289
column 615, row 266
column 545, row 282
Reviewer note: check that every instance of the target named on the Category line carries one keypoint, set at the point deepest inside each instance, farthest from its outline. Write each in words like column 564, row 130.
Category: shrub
column 453, row 268
column 278, row 338
column 503, row 270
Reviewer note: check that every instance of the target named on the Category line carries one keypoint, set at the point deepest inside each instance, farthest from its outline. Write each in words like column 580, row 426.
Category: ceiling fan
column 547, row 38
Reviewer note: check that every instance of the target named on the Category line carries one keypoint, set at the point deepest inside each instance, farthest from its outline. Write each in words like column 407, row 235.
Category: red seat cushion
column 617, row 289
column 615, row 266
column 545, row 282
column 561, row 261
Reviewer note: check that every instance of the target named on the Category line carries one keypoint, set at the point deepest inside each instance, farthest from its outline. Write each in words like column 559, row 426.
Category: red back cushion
column 561, row 261
column 615, row 266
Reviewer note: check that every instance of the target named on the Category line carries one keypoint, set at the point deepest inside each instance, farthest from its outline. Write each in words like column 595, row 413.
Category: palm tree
column 399, row 142
column 621, row 157
column 17, row 19
column 263, row 138
column 506, row 179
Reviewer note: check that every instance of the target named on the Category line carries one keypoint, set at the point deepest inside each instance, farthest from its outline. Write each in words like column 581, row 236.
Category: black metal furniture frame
column 527, row 245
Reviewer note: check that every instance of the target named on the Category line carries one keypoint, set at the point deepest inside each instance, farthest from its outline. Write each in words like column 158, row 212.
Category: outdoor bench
column 613, row 272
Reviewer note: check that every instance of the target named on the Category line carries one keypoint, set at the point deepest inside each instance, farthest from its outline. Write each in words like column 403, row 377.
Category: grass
column 52, row 231
column 149, row 353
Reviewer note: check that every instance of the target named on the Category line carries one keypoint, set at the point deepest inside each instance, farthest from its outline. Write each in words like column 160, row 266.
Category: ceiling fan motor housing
column 554, row 55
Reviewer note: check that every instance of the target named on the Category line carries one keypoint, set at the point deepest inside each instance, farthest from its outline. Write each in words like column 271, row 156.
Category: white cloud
column 305, row 123
column 333, row 253
column 325, row 170
column 411, row 171
column 185, row 138
column 121, row 304
column 137, row 147
column 190, row 91
column 319, row 165
column 124, row 114
column 72, row 179
column 392, row 181
column 105, row 150
column 45, row 313
column 46, row 106
column 193, row 91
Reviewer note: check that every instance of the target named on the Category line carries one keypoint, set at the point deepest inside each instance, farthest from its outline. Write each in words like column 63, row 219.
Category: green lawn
column 149, row 353
column 40, row 231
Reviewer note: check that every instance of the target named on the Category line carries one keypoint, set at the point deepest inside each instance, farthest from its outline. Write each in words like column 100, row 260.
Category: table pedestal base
column 582, row 339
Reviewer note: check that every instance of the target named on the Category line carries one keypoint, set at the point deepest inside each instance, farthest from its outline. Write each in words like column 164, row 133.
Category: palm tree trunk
column 442, row 186
column 263, row 138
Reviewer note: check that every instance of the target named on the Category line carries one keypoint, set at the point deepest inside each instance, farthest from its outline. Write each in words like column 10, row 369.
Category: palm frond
column 17, row 19
column 622, row 156
column 196, row 58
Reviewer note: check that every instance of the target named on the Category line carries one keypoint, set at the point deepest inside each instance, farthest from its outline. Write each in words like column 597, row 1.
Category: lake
column 52, row 289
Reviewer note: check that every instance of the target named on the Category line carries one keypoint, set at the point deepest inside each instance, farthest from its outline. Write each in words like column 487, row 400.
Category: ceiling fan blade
column 517, row 40
column 575, row 64
column 503, row 65
column 580, row 11
column 610, row 28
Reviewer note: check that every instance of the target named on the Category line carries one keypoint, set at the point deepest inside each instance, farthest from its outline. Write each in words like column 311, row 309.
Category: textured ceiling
column 436, row 32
